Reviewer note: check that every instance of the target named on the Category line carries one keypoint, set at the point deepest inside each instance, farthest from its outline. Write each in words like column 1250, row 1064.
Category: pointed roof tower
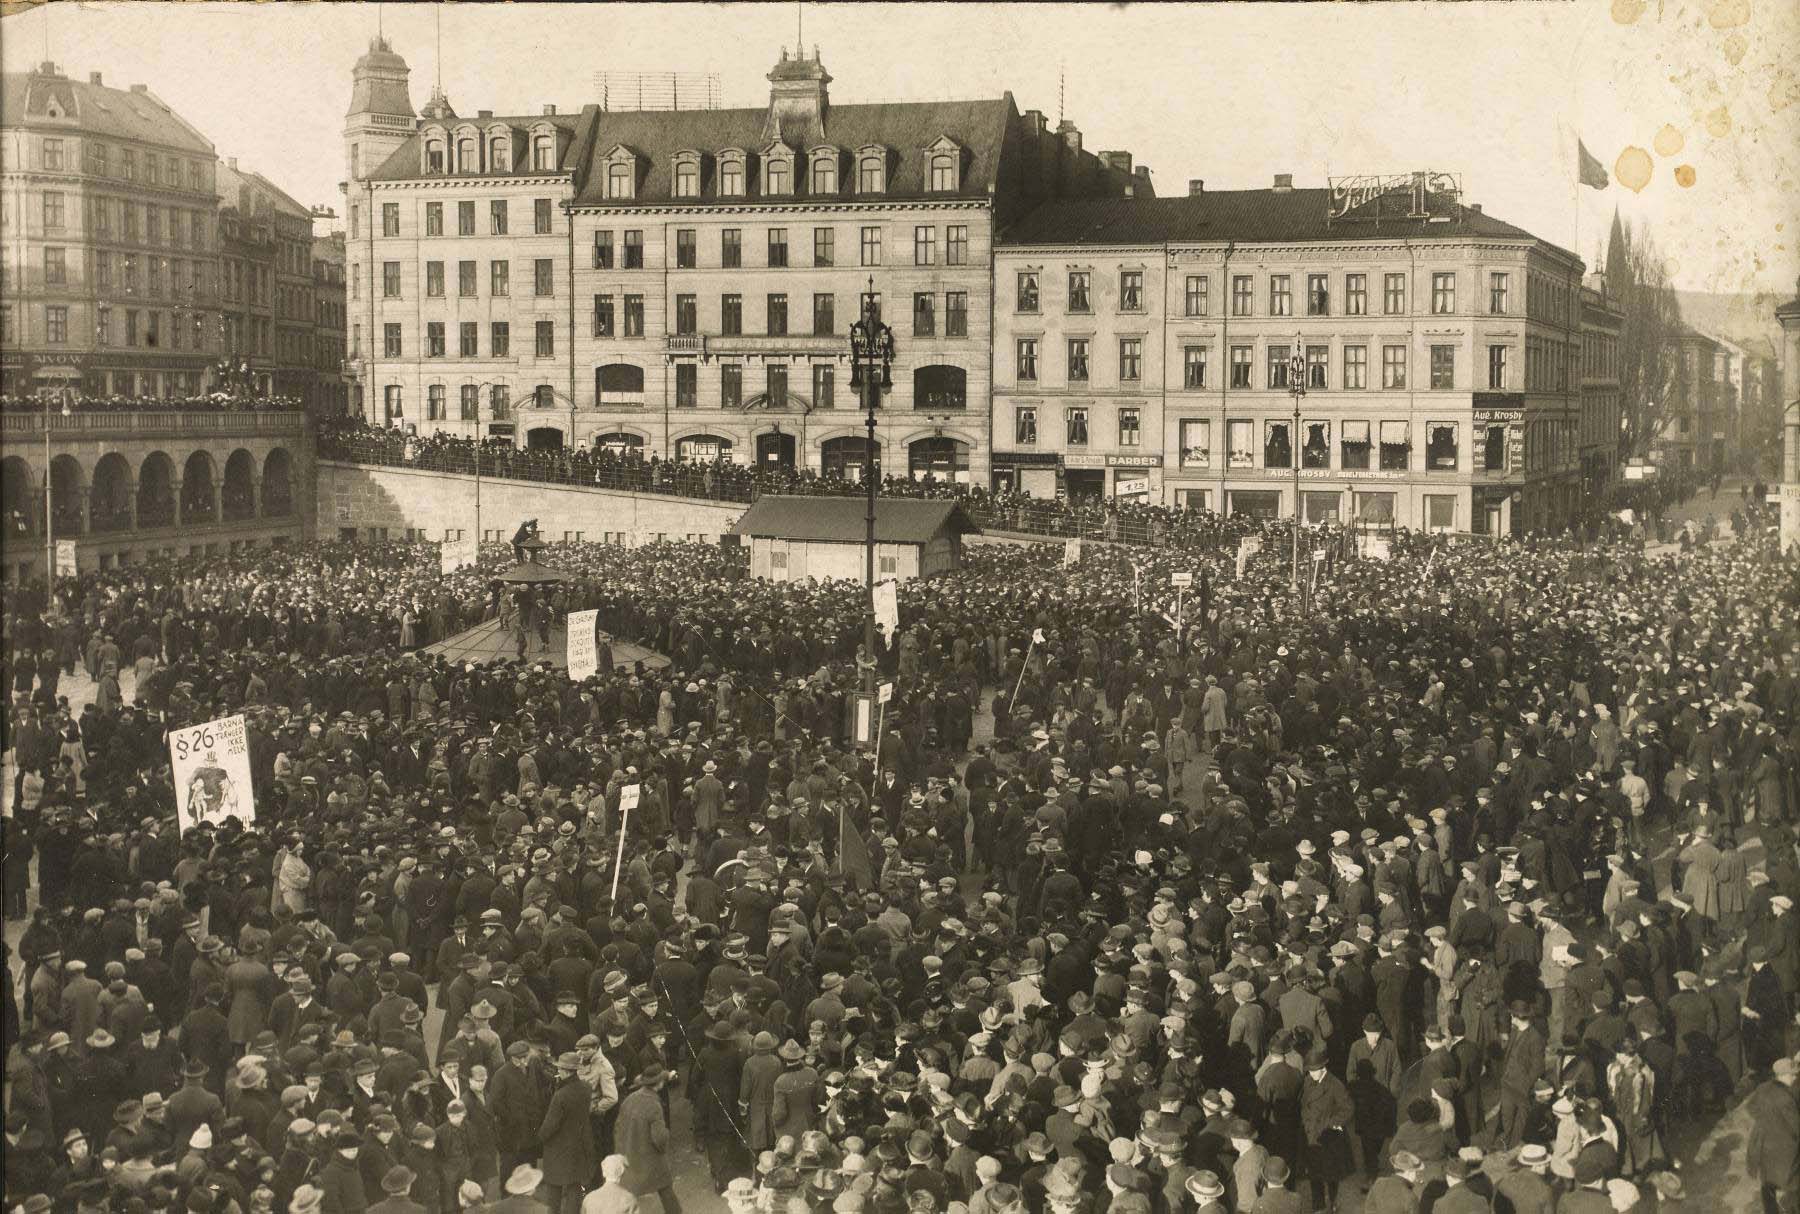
column 1618, row 260
column 798, row 100
column 379, row 83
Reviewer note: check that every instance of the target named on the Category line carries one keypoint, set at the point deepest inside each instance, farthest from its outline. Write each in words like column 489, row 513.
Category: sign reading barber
column 211, row 765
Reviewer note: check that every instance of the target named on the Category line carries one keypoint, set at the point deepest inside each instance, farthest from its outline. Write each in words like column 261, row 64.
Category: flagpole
column 1022, row 666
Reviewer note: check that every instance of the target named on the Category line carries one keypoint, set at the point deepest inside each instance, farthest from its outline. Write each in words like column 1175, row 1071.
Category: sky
column 1694, row 102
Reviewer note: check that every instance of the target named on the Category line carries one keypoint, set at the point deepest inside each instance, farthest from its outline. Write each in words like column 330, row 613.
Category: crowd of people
column 1469, row 886
column 199, row 402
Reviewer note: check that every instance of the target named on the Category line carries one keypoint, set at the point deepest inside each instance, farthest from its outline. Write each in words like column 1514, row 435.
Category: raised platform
column 488, row 642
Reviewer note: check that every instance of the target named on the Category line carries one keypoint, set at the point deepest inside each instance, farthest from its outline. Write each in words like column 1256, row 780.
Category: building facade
column 1143, row 349
column 682, row 283
column 108, row 240
column 330, row 351
column 1692, row 435
column 1602, row 323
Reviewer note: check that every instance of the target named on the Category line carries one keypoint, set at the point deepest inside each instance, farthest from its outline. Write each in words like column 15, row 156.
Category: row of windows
column 124, row 220
column 735, row 170
column 499, row 218
column 543, row 279
column 628, row 253
column 155, row 277
column 686, row 321
column 1547, row 364
column 56, row 156
column 1078, row 297
column 1362, row 444
column 464, row 154
column 1278, row 363
column 468, row 334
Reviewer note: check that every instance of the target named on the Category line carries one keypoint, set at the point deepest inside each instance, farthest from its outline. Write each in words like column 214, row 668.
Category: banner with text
column 583, row 654
column 212, row 773
column 454, row 554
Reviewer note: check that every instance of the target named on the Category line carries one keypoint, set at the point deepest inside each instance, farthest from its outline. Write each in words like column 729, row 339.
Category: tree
column 1648, row 354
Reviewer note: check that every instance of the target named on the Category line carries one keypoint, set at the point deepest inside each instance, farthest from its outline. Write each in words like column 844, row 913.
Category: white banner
column 212, row 773
column 454, row 554
column 1248, row 547
column 583, row 654
column 1071, row 553
column 887, row 609
column 66, row 565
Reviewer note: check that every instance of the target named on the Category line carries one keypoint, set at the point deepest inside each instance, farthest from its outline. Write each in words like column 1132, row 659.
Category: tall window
column 1196, row 442
column 824, row 386
column 1497, row 366
column 53, row 155
column 687, row 179
column 469, row 400
column 1278, row 366
column 603, row 316
column 634, row 316
column 956, row 313
column 731, row 315
column 778, row 249
column 824, row 314
column 1499, row 292
column 1194, row 298
column 434, row 403
column 943, row 174
column 870, row 175
column 1131, row 359
column 1025, row 427
column 1240, row 443
column 1078, row 360
column 1396, row 446
column 1443, row 367
column 687, row 385
column 824, row 246
column 1028, row 291
column 924, row 245
column 54, row 209
column 1393, row 366
column 1356, row 366
column 1315, row 445
column 390, row 218
column 1440, row 446
column 500, row 339
column 1131, row 291
column 497, row 217
column 603, row 250
column 1318, row 294
column 1353, row 444
column 390, row 340
column 465, row 278
column 500, row 278
column 390, row 279
column 1075, row 425
column 465, row 219
column 634, row 249
column 56, row 270
column 731, row 248
column 1278, row 445
column 731, row 386
column 924, row 314
column 1240, row 366
column 546, row 339
column 1129, row 432
column 1193, row 367
column 1080, row 297
column 1318, row 366
column 1281, row 295
column 686, row 316
column 434, row 278
column 1027, row 349
column 776, row 385
column 1443, row 293
column 687, row 250
column 825, row 175
column 543, row 275
column 1393, row 294
column 871, row 246
column 466, row 339
column 434, row 219
column 434, row 339
column 1241, row 293
column 956, row 244
column 777, row 315
column 619, row 180
column 56, row 325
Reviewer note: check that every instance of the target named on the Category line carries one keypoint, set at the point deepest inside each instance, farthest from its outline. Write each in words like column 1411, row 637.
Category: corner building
column 1142, row 349
column 682, row 283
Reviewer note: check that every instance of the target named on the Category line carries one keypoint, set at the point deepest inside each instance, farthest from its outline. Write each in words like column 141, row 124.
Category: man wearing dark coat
column 568, row 1143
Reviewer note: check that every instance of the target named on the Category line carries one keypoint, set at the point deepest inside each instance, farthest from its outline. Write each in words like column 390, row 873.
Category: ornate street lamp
column 871, row 361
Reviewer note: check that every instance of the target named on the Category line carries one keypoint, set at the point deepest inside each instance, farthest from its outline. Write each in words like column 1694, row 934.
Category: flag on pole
column 1591, row 172
column 853, row 855
column 1037, row 636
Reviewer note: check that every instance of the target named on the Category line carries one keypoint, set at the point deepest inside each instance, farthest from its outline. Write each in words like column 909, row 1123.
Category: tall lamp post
column 1296, row 388
column 49, row 503
column 871, row 361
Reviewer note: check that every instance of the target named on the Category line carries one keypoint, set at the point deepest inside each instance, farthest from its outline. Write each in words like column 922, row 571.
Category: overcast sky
column 1232, row 93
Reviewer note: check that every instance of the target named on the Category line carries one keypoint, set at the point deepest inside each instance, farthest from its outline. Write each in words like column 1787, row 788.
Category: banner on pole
column 1037, row 636
column 1071, row 553
column 628, row 797
column 1248, row 547
column 66, row 565
column 1181, row 580
column 211, row 765
column 455, row 554
column 887, row 609
column 884, row 692
column 583, row 655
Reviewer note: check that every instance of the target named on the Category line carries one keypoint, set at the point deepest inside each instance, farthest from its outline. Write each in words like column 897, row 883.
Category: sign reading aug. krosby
column 211, row 764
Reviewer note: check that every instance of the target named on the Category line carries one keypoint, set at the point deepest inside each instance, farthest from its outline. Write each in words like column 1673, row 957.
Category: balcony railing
column 152, row 423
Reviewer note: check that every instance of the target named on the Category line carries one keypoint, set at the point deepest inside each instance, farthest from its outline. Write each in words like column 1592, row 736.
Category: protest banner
column 66, row 563
column 887, row 609
column 583, row 654
column 211, row 765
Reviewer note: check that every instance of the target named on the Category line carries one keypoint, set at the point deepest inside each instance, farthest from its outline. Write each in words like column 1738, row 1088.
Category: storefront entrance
column 775, row 448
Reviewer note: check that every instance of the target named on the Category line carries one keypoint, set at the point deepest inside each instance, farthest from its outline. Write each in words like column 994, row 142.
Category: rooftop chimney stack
column 1070, row 136
column 1118, row 160
column 231, row 162
column 1284, row 183
column 140, row 88
column 549, row 110
column 94, row 78
column 1196, row 186
column 484, row 113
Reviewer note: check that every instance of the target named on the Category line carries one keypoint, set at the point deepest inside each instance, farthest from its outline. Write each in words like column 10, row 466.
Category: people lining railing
column 215, row 402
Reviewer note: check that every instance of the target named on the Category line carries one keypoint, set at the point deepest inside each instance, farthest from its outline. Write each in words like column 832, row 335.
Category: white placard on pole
column 884, row 692
column 887, row 608
column 628, row 800
column 583, row 655
column 1181, row 579
column 456, row 554
column 66, row 565
column 211, row 765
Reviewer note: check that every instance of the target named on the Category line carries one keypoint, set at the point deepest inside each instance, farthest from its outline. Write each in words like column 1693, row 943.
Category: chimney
column 94, row 78
column 484, row 113
column 1035, row 120
column 1118, row 160
column 549, row 110
column 231, row 162
column 1196, row 186
column 1284, row 183
column 1070, row 136
column 140, row 88
column 1475, row 207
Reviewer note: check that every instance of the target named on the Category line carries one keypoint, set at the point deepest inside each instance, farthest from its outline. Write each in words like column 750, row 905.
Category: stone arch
column 68, row 495
column 156, row 490
column 940, row 457
column 278, row 484
column 199, row 484
column 237, row 492
column 113, row 497
column 22, row 494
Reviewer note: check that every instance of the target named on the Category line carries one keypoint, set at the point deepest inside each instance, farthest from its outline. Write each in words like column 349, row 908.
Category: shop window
column 1315, row 450
column 1353, row 447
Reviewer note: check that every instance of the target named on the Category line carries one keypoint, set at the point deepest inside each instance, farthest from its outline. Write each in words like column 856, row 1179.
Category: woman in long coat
column 1700, row 881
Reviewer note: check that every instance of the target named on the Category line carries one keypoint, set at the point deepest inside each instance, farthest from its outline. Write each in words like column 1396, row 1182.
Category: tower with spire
column 380, row 117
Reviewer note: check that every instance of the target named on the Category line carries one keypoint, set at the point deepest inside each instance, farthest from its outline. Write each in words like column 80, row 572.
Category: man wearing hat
column 1774, row 1149
column 1520, row 1067
column 713, row 1092
column 567, row 1138
column 397, row 1184
column 521, row 1185
column 796, row 1092
column 642, row 1136
column 1398, row 1193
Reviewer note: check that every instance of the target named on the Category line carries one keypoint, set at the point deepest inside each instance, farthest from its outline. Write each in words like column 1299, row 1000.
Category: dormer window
column 467, row 161
column 871, row 171
column 499, row 154
column 687, row 175
column 543, row 153
column 731, row 174
column 943, row 174
column 825, row 171
column 434, row 156
column 619, row 180
column 776, row 181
